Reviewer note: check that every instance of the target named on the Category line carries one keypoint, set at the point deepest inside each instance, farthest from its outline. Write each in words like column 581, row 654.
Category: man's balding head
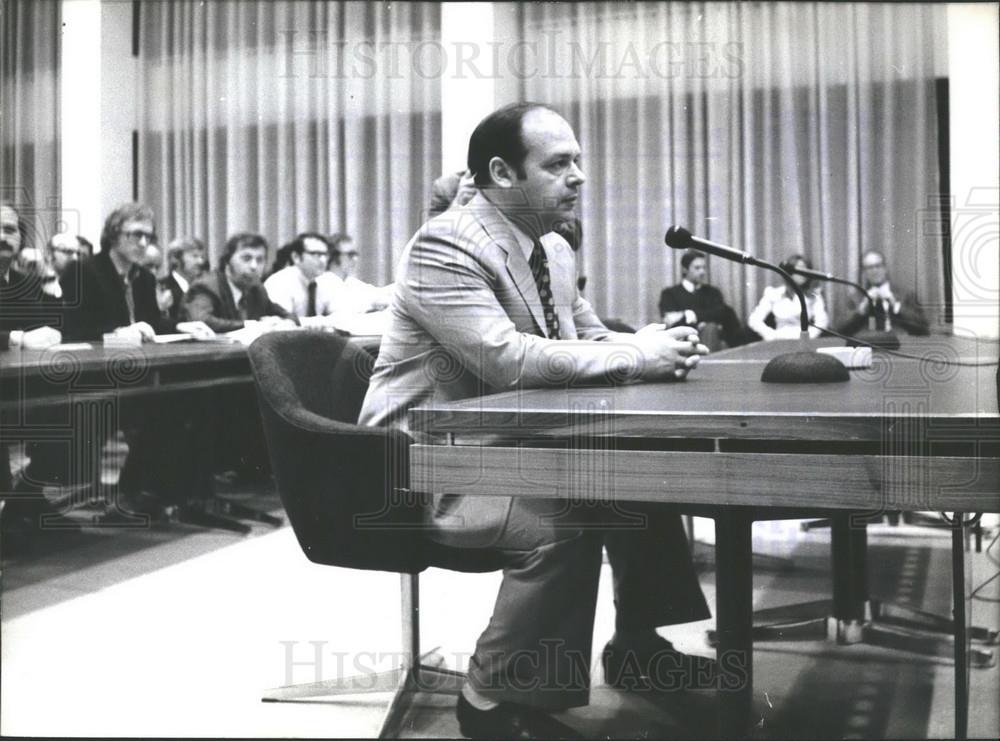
column 526, row 158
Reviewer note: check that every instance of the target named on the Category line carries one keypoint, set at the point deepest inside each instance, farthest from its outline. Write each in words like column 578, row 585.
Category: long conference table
column 902, row 435
column 73, row 393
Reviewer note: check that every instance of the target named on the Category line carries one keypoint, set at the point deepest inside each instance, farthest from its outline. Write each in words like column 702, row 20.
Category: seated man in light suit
column 486, row 300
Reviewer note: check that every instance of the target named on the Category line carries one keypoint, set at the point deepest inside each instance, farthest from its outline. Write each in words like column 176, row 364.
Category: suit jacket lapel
column 229, row 307
column 517, row 267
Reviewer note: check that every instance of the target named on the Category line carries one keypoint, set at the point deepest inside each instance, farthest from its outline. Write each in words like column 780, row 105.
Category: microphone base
column 804, row 367
column 875, row 338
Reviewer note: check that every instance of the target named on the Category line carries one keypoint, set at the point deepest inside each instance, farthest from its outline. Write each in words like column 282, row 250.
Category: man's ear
column 501, row 173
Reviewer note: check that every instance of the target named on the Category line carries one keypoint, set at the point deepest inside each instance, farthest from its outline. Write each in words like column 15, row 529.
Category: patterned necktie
column 311, row 305
column 242, row 306
column 539, row 264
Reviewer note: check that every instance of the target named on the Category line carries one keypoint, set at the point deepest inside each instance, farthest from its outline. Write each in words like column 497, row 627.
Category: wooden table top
column 724, row 399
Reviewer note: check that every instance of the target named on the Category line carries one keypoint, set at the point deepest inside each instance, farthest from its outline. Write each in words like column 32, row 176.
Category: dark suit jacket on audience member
column 176, row 308
column 910, row 318
column 708, row 305
column 94, row 299
column 24, row 306
column 210, row 300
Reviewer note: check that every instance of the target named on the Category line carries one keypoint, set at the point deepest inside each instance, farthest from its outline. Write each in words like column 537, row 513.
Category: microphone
column 804, row 366
column 680, row 238
column 872, row 337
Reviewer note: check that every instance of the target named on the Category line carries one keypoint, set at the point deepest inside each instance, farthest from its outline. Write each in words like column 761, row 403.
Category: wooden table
column 35, row 378
column 904, row 435
column 84, row 393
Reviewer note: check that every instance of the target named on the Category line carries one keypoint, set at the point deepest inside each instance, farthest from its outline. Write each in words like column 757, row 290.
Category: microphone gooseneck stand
column 870, row 337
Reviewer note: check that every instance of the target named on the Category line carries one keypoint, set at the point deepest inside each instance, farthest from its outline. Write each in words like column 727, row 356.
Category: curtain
column 774, row 127
column 289, row 116
column 29, row 114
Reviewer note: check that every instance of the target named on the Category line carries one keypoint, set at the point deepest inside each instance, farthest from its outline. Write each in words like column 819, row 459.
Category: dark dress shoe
column 655, row 664
column 509, row 720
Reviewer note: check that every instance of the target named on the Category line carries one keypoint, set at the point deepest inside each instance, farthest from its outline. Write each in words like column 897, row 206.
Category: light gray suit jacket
column 466, row 320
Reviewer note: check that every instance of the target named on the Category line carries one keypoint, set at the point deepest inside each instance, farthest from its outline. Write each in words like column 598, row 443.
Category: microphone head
column 677, row 237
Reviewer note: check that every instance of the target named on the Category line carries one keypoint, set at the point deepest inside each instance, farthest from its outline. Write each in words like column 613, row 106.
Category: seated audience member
column 61, row 250
column 25, row 317
column 23, row 324
column 890, row 311
column 451, row 190
column 231, row 298
column 186, row 257
column 694, row 303
column 111, row 291
column 23, row 302
column 780, row 305
column 293, row 287
column 340, row 291
column 233, row 295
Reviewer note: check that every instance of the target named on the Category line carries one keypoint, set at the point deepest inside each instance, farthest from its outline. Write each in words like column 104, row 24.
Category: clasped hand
column 678, row 349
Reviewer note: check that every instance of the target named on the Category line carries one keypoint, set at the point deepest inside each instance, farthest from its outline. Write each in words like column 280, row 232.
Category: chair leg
column 415, row 674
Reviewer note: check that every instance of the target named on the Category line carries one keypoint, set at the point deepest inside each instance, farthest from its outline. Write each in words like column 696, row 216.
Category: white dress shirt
column 289, row 289
column 350, row 296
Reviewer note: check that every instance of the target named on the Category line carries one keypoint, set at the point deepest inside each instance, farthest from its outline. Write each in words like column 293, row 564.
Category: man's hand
column 142, row 330
column 36, row 339
column 673, row 352
column 198, row 330
column 272, row 323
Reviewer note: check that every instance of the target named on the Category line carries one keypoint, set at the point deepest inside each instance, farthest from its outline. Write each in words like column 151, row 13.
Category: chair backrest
column 342, row 485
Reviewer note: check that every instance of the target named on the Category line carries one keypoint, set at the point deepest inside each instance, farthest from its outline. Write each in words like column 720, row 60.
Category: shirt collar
column 688, row 285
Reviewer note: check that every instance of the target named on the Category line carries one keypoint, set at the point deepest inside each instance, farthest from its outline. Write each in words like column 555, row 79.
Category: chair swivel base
column 887, row 625
column 403, row 683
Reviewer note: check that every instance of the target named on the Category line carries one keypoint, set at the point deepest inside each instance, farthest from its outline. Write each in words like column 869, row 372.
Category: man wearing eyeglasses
column 111, row 292
column 343, row 293
column 60, row 251
column 886, row 309
column 294, row 288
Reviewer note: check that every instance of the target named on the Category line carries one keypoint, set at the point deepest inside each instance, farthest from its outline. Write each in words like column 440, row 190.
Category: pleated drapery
column 773, row 127
column 29, row 114
column 281, row 117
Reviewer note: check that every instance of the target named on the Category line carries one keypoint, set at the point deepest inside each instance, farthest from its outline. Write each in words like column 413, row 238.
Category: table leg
column 734, row 621
column 958, row 599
